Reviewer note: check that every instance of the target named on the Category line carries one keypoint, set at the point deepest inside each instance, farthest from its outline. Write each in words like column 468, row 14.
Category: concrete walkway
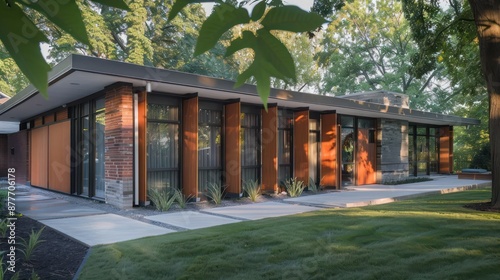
column 93, row 226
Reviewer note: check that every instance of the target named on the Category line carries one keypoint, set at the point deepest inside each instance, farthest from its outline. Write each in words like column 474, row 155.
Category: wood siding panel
column 190, row 146
column 446, row 150
column 301, row 146
column 39, row 156
column 270, row 149
column 366, row 158
column 59, row 167
column 143, row 125
column 38, row 121
column 233, row 148
column 329, row 170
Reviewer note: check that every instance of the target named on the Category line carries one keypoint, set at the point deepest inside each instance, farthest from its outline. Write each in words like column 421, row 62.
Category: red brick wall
column 119, row 143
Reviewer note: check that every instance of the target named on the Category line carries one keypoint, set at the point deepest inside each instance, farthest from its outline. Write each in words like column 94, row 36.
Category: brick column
column 119, row 143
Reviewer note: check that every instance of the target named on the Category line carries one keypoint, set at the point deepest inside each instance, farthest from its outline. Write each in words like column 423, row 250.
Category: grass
column 426, row 238
column 31, row 244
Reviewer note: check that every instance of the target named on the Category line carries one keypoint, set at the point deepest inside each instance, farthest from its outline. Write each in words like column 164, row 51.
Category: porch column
column 301, row 146
column 190, row 147
column 446, row 150
column 270, row 148
column 233, row 148
column 329, row 167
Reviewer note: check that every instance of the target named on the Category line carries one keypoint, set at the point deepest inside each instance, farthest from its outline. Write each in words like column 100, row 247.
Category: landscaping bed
column 57, row 257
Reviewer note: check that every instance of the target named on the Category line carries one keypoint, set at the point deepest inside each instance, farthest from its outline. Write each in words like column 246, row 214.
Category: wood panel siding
column 301, row 146
column 18, row 156
column 50, row 118
column 59, row 168
column 270, row 149
column 233, row 148
column 190, row 147
column 143, row 126
column 39, row 156
column 446, row 150
column 366, row 158
column 329, row 170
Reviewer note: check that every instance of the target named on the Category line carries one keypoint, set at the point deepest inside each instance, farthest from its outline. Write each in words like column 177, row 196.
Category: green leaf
column 223, row 18
column 292, row 18
column 258, row 10
column 66, row 16
column 22, row 40
column 180, row 4
column 120, row 4
column 276, row 53
column 247, row 40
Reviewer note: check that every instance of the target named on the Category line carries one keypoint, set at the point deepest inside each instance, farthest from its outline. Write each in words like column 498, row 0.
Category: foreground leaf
column 66, row 15
column 22, row 39
column 221, row 20
column 276, row 53
column 292, row 18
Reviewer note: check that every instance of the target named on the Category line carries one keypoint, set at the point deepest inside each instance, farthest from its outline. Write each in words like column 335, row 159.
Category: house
column 111, row 130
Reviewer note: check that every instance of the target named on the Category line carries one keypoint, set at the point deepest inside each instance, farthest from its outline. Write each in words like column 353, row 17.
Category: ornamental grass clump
column 162, row 198
column 31, row 244
column 252, row 189
column 313, row 187
column 215, row 192
column 181, row 199
column 294, row 187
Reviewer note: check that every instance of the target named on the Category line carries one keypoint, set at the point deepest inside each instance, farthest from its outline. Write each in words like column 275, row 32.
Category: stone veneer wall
column 392, row 152
column 119, row 141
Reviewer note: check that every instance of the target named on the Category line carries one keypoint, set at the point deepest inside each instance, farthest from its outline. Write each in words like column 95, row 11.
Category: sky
column 304, row 4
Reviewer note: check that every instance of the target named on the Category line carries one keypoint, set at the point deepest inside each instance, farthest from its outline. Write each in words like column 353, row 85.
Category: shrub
column 3, row 227
column 482, row 159
column 294, row 187
column 215, row 192
column 181, row 198
column 252, row 189
column 31, row 244
column 162, row 198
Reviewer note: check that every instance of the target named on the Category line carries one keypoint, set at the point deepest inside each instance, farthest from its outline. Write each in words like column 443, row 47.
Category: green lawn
column 426, row 238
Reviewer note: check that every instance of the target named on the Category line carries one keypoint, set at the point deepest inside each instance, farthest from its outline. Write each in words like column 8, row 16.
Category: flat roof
column 79, row 76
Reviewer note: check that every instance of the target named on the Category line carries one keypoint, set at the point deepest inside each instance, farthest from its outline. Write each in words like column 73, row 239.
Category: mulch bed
column 57, row 258
column 482, row 206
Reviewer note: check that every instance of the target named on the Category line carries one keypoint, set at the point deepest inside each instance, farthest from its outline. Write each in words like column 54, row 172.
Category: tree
column 367, row 47
column 435, row 26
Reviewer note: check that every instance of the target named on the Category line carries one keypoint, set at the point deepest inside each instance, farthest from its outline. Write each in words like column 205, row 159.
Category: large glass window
column 88, row 142
column 250, row 145
column 314, row 149
column 285, row 142
column 209, row 145
column 423, row 150
column 163, row 143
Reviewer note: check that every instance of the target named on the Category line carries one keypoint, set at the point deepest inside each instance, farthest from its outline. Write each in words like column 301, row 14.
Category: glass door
column 347, row 142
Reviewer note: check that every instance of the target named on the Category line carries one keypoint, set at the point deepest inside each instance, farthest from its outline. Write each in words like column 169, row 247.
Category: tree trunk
column 487, row 19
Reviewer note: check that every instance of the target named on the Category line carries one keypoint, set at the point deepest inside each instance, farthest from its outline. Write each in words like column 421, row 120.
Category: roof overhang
column 79, row 76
